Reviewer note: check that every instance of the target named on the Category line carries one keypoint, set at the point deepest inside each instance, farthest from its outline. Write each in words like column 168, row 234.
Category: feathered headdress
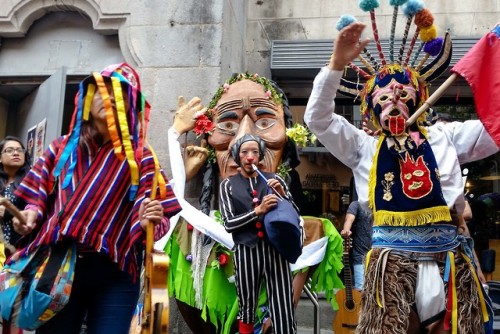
column 128, row 135
column 398, row 63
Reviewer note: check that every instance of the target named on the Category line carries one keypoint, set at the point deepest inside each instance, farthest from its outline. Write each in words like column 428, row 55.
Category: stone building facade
column 179, row 47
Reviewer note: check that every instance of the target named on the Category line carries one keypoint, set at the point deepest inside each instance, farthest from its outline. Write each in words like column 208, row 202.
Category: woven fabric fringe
column 412, row 218
column 399, row 295
column 200, row 254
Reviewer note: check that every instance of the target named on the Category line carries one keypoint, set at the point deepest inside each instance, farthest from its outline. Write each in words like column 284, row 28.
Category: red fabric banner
column 481, row 68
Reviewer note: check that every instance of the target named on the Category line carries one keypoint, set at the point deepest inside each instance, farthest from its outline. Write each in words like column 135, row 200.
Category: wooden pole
column 432, row 99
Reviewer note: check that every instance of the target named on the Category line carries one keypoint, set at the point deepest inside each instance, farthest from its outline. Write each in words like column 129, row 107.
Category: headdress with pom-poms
column 128, row 133
column 402, row 60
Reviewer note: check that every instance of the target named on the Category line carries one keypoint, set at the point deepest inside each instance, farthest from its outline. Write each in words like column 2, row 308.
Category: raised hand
column 184, row 116
column 348, row 46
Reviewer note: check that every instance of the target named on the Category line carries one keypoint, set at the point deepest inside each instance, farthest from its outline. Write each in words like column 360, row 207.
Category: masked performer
column 201, row 267
column 244, row 200
column 419, row 274
column 93, row 187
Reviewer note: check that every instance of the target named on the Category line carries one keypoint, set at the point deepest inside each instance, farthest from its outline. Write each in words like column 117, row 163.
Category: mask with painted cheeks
column 393, row 100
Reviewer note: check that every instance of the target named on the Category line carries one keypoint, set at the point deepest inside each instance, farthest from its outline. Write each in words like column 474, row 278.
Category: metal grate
column 314, row 54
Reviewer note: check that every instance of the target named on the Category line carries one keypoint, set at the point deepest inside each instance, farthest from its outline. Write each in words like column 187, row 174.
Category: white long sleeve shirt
column 453, row 143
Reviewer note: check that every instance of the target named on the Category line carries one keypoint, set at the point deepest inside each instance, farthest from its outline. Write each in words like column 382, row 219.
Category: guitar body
column 346, row 318
column 349, row 299
column 155, row 313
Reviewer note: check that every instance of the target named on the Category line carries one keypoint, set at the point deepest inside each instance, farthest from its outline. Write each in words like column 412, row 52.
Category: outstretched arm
column 339, row 136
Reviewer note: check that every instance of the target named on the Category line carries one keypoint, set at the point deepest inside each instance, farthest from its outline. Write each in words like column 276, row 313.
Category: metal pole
column 314, row 299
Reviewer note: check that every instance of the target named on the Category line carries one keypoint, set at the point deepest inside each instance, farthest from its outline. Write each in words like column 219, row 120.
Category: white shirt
column 453, row 143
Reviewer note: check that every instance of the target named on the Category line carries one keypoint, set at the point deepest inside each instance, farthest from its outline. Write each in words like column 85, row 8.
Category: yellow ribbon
column 158, row 179
column 110, row 115
column 122, row 120
column 454, row 302
column 89, row 97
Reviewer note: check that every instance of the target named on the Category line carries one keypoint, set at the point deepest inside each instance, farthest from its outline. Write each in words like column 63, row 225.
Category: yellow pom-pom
column 428, row 34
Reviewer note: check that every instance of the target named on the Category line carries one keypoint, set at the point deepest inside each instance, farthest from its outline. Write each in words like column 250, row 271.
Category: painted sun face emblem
column 415, row 177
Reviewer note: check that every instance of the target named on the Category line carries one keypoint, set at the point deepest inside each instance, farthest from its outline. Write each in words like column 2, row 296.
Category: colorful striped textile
column 95, row 208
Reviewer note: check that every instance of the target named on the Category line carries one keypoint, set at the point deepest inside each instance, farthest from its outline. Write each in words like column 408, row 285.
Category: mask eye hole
column 265, row 123
column 228, row 127
column 383, row 98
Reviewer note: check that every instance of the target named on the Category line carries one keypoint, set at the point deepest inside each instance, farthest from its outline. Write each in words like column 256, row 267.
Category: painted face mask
column 246, row 108
column 393, row 104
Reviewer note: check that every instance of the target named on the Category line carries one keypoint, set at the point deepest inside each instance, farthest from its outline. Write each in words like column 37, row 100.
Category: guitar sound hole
column 349, row 304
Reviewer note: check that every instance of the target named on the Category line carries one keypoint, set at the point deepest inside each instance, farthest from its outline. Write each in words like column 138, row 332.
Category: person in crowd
column 14, row 165
column 463, row 228
column 201, row 263
column 2, row 254
column 358, row 226
column 94, row 186
column 409, row 175
column 244, row 200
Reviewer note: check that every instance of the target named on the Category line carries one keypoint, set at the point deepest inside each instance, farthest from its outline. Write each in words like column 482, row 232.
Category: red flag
column 481, row 68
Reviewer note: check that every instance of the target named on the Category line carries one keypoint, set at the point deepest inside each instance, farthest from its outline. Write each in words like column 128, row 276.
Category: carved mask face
column 393, row 104
column 244, row 108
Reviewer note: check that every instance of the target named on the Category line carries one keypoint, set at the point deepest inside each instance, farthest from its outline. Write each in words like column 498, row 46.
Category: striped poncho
column 94, row 209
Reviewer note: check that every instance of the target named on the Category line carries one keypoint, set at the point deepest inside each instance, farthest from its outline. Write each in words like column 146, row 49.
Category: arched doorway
column 39, row 72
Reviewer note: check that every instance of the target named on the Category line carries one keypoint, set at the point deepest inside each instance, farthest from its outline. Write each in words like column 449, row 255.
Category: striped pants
column 263, row 262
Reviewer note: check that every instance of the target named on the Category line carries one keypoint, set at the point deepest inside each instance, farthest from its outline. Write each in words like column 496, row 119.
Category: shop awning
column 295, row 63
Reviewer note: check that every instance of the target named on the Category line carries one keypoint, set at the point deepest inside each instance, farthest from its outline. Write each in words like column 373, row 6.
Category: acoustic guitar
column 155, row 313
column 346, row 318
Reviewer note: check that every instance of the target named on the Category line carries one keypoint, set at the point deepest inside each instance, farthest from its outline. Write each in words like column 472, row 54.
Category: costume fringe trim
column 412, row 218
column 372, row 180
column 486, row 317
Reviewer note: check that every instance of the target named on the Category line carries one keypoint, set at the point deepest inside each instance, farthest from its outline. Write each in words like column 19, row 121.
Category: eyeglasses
column 11, row 150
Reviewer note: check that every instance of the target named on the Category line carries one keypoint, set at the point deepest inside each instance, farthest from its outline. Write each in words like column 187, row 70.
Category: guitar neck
column 347, row 276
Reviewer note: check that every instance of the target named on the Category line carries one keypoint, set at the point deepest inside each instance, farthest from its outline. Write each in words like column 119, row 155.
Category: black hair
column 21, row 172
column 235, row 149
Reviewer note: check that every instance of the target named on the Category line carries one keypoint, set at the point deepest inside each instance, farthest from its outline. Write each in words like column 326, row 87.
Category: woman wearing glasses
column 14, row 164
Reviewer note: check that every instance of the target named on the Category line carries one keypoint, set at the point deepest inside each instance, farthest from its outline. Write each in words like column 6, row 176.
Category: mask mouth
column 396, row 124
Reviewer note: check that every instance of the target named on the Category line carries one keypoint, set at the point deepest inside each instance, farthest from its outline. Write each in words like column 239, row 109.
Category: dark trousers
column 102, row 292
column 263, row 262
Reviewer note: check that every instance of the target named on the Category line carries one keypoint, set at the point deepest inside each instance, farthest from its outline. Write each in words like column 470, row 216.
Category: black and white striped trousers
column 263, row 262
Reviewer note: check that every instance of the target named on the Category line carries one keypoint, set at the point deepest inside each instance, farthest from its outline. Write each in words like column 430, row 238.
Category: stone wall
column 316, row 19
